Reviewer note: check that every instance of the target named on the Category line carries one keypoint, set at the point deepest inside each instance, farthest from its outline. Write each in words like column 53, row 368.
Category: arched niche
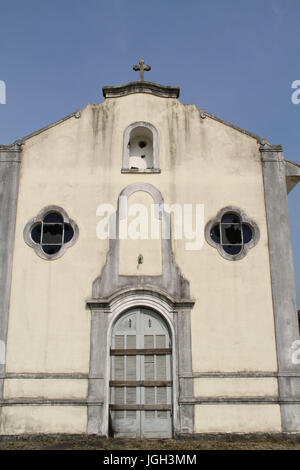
column 140, row 149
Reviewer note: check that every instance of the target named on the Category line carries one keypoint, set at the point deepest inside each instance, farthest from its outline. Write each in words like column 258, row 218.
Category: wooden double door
column 141, row 376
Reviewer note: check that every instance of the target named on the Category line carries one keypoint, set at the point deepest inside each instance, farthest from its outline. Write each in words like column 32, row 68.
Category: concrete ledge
column 138, row 170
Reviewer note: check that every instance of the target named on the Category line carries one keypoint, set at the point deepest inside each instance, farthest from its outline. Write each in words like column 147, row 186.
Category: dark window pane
column 215, row 233
column 247, row 233
column 229, row 217
column 53, row 217
column 51, row 249
column 69, row 232
column 231, row 234
column 36, row 233
column 232, row 249
column 52, row 233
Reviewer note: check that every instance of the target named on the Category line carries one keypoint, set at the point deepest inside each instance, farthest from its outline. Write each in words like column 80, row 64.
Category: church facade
column 147, row 284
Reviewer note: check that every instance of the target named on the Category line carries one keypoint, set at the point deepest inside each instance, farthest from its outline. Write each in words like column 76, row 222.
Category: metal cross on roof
column 141, row 68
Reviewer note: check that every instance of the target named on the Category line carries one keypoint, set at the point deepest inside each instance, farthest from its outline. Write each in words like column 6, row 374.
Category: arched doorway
column 141, row 375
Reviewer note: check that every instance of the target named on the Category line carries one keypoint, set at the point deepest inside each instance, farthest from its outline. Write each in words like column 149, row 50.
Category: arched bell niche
column 140, row 149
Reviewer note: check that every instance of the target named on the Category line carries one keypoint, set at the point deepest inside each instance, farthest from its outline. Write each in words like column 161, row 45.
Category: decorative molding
column 195, row 375
column 52, row 402
column 238, row 400
column 44, row 375
column 188, row 401
column 144, row 292
column 234, row 375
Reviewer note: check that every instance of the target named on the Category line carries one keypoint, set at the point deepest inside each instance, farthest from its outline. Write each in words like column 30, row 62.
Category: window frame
column 39, row 219
column 217, row 220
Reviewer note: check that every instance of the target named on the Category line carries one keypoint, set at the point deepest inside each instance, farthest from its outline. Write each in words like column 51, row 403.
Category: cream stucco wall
column 237, row 418
column 77, row 165
column 235, row 387
column 43, row 419
column 46, row 388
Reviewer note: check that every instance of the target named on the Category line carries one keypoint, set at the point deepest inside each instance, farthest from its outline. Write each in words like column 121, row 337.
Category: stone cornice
column 15, row 147
column 141, row 87
column 11, row 153
column 265, row 146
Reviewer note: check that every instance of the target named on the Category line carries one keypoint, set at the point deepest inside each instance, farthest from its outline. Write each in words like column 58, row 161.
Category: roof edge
column 233, row 126
column 18, row 142
column 115, row 90
column 294, row 164
column 292, row 174
column 76, row 114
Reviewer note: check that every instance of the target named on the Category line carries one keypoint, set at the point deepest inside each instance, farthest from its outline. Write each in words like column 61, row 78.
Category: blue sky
column 236, row 59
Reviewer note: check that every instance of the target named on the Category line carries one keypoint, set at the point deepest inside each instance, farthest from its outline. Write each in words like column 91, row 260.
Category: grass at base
column 101, row 443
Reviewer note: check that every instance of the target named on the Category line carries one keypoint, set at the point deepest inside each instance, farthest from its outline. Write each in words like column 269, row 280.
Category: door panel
column 141, row 380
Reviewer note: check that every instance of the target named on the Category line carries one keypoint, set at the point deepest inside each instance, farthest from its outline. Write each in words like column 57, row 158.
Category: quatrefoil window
column 51, row 233
column 232, row 233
